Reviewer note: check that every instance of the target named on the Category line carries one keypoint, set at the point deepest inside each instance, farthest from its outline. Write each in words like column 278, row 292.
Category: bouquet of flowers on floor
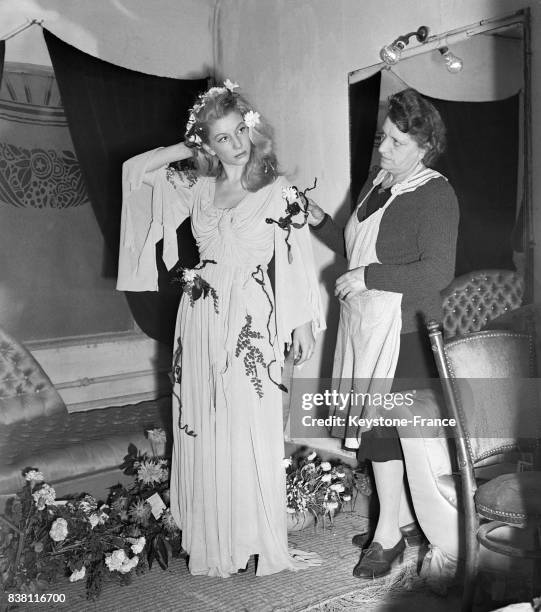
column 43, row 539
column 144, row 504
column 321, row 488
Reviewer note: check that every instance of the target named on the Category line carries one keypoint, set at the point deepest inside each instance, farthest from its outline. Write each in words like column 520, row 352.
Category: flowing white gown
column 227, row 481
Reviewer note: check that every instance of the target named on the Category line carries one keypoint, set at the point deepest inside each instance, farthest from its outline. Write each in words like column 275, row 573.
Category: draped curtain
column 114, row 113
column 51, row 250
column 480, row 162
column 363, row 119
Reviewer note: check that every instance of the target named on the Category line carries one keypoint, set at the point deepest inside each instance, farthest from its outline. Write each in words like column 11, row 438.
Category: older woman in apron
column 400, row 246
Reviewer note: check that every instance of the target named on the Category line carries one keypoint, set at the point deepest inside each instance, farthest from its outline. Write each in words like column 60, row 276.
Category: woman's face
column 399, row 152
column 229, row 140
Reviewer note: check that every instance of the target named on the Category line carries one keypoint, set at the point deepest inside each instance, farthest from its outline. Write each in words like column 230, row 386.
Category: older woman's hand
column 315, row 213
column 350, row 284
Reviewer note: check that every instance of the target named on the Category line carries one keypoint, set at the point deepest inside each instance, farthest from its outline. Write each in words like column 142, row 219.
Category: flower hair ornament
column 296, row 202
column 192, row 138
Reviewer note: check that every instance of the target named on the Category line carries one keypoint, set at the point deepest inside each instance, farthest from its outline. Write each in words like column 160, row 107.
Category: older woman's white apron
column 368, row 341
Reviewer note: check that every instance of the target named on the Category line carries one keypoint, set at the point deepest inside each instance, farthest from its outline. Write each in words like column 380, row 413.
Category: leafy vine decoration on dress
column 194, row 285
column 292, row 195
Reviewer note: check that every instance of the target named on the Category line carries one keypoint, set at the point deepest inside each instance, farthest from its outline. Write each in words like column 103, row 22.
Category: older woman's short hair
column 416, row 116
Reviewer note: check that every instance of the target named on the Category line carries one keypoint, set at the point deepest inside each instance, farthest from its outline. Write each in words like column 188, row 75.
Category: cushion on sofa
column 26, row 393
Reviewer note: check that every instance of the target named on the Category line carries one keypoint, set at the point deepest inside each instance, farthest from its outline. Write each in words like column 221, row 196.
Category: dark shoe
column 376, row 561
column 243, row 570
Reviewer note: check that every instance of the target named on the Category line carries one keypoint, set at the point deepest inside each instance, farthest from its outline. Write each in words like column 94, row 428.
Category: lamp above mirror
column 391, row 54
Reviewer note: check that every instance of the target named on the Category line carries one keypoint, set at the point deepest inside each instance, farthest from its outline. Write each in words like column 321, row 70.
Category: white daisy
column 251, row 118
column 289, row 194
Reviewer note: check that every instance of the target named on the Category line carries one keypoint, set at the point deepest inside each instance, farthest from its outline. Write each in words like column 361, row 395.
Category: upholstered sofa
column 79, row 451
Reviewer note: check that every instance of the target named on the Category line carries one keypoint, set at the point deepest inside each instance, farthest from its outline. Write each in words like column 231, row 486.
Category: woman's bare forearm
column 166, row 155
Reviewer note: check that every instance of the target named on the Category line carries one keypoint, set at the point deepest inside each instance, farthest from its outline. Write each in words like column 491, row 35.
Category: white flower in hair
column 230, row 85
column 195, row 138
column 215, row 91
column 289, row 194
column 251, row 118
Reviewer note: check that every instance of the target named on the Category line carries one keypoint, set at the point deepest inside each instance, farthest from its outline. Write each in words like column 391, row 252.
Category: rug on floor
column 309, row 590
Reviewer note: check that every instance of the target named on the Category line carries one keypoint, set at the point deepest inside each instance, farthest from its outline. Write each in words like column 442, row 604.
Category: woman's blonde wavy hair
column 261, row 168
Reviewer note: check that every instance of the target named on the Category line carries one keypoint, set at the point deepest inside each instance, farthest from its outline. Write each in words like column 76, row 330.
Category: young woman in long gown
column 228, row 480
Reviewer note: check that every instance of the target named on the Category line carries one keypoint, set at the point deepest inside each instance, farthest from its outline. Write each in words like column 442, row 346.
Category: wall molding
column 94, row 372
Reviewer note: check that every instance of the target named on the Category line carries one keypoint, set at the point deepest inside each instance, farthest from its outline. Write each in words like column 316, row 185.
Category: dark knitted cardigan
column 416, row 246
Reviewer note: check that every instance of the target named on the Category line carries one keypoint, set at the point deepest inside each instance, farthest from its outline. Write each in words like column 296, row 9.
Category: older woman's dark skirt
column 416, row 369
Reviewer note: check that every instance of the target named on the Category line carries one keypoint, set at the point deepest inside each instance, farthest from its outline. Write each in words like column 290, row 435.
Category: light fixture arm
column 421, row 35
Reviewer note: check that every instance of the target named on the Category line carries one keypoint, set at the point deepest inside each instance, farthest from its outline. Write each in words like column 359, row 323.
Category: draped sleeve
column 153, row 206
column 297, row 292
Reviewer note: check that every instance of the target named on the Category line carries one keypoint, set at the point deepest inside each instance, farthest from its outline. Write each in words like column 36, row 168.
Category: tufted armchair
column 76, row 452
column 474, row 299
column 471, row 302
column 489, row 385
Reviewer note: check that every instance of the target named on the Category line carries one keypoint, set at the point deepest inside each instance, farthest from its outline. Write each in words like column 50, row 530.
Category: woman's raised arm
column 167, row 155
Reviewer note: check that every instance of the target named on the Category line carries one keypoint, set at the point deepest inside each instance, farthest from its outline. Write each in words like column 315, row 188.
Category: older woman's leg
column 405, row 516
column 382, row 447
column 394, row 506
column 388, row 542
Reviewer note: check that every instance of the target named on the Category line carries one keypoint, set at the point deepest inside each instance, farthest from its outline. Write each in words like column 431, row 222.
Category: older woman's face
column 399, row 152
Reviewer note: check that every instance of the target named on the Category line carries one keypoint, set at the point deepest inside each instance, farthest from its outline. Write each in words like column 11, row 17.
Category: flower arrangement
column 321, row 488
column 43, row 539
